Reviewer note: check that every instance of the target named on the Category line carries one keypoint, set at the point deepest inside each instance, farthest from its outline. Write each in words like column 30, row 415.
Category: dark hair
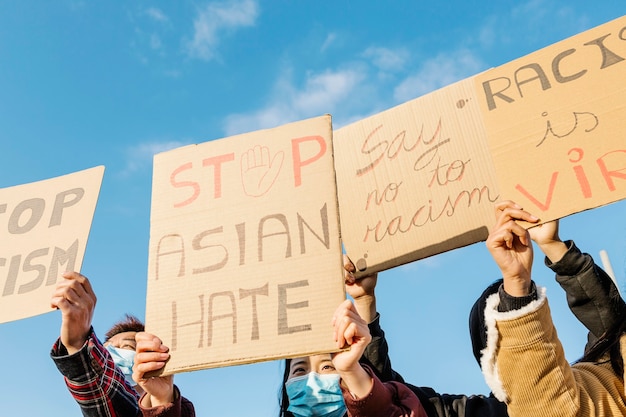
column 130, row 323
column 609, row 345
column 477, row 327
column 283, row 400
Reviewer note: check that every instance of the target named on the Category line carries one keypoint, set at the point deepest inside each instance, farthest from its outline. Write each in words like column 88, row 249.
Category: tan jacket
column 525, row 366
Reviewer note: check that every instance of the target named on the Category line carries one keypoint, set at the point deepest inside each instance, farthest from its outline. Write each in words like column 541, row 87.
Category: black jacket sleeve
column 592, row 295
column 376, row 355
column 449, row 405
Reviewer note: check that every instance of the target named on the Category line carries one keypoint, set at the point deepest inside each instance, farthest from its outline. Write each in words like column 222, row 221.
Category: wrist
column 366, row 307
column 554, row 250
column 519, row 287
column 357, row 381
column 509, row 303
column 73, row 347
column 151, row 401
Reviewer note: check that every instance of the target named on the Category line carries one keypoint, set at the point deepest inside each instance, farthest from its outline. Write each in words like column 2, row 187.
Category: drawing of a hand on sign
column 258, row 172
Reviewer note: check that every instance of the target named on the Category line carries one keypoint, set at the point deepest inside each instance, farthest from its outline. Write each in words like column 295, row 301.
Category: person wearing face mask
column 591, row 294
column 338, row 384
column 99, row 375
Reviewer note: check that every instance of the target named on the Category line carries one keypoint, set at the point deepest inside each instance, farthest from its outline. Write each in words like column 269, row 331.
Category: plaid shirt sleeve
column 94, row 381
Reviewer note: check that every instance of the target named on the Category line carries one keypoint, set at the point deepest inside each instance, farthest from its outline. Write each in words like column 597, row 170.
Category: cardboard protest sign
column 44, row 227
column 415, row 180
column 546, row 130
column 245, row 260
column 556, row 123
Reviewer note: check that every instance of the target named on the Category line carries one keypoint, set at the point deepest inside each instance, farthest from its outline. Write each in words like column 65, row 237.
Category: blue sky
column 87, row 83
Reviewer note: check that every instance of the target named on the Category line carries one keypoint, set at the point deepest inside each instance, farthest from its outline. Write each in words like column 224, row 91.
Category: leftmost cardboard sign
column 44, row 228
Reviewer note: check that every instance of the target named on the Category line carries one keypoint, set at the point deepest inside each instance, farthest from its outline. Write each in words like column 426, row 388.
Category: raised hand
column 510, row 246
column 77, row 301
column 546, row 236
column 151, row 355
column 361, row 290
column 351, row 330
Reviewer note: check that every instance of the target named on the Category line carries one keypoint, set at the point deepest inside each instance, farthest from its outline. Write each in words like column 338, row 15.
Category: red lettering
column 580, row 173
column 178, row 184
column 217, row 162
column 542, row 206
column 608, row 174
column 298, row 162
column 373, row 164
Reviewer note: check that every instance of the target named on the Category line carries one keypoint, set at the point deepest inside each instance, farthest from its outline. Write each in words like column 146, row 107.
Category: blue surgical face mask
column 313, row 395
column 124, row 359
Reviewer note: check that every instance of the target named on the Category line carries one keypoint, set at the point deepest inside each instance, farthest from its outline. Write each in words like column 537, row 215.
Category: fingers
column 151, row 354
column 143, row 365
column 507, row 210
column 349, row 270
column 147, row 342
column 73, row 291
column 506, row 228
column 348, row 325
column 347, row 264
column 505, row 236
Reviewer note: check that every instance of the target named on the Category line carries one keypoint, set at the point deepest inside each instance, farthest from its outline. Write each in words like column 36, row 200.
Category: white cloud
column 156, row 14
column 321, row 94
column 214, row 20
column 330, row 39
column 430, row 263
column 438, row 72
column 387, row 59
column 140, row 156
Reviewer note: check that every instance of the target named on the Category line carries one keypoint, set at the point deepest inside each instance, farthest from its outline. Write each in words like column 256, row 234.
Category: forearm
column 384, row 399
column 357, row 381
column 96, row 384
column 376, row 354
column 554, row 250
column 592, row 295
column 451, row 405
column 179, row 407
column 366, row 307
column 527, row 367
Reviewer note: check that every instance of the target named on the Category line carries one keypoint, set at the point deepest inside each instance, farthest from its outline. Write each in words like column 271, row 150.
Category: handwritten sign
column 412, row 182
column 245, row 256
column 556, row 123
column 44, row 227
column 546, row 130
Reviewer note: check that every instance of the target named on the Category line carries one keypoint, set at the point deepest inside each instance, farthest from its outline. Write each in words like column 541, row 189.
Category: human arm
column 76, row 300
column 591, row 294
column 384, row 399
column 90, row 374
column 93, row 380
column 161, row 397
column 510, row 246
column 523, row 363
column 350, row 330
column 364, row 393
column 362, row 291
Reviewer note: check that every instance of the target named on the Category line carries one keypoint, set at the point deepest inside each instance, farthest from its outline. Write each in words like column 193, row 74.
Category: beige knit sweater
column 525, row 366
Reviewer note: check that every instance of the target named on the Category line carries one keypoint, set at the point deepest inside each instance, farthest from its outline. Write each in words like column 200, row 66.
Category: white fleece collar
column 488, row 355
